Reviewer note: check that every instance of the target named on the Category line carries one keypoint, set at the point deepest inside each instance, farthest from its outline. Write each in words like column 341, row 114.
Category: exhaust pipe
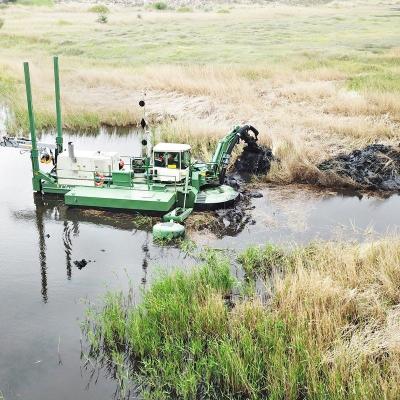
column 71, row 151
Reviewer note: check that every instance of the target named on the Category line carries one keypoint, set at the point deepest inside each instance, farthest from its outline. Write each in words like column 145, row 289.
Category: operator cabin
column 171, row 162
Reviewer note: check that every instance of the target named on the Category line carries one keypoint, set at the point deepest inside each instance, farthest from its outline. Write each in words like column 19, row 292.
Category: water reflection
column 67, row 247
column 51, row 208
column 42, row 251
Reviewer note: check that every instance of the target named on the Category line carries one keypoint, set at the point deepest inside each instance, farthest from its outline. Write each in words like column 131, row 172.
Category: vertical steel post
column 59, row 139
column 36, row 181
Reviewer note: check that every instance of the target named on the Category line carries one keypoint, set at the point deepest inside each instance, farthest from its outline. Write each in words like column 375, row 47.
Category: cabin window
column 173, row 160
column 159, row 159
column 185, row 159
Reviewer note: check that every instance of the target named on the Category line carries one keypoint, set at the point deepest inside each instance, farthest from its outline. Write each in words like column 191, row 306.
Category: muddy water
column 42, row 290
column 297, row 214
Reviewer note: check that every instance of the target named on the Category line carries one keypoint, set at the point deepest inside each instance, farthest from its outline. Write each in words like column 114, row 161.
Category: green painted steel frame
column 59, row 139
column 121, row 198
column 36, row 178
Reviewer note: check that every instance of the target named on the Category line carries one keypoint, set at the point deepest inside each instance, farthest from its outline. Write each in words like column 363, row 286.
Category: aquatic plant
column 262, row 260
column 328, row 331
column 143, row 222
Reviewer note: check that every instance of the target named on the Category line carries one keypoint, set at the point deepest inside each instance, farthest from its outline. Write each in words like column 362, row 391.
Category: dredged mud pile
column 375, row 167
column 254, row 160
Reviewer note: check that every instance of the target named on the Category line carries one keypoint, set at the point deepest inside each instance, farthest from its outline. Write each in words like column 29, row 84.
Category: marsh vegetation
column 325, row 326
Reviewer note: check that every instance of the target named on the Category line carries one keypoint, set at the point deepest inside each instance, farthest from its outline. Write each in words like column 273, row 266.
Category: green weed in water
column 263, row 260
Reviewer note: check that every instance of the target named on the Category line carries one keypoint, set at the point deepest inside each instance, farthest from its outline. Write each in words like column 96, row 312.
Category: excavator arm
column 223, row 152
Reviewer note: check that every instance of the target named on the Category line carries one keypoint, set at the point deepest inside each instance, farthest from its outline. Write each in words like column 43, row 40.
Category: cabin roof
column 172, row 147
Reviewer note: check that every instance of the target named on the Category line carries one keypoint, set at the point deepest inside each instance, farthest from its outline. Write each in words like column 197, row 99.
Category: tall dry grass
column 347, row 298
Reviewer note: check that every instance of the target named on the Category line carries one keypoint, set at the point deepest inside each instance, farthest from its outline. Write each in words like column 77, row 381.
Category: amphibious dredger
column 166, row 181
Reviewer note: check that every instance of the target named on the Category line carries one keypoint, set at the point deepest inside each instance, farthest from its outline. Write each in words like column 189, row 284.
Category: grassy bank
column 314, row 80
column 328, row 329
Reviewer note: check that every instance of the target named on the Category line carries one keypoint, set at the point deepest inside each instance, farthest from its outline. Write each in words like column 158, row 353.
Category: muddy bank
column 376, row 167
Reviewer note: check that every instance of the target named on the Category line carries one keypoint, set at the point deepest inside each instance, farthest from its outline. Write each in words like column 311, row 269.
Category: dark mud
column 231, row 221
column 81, row 263
column 254, row 160
column 376, row 167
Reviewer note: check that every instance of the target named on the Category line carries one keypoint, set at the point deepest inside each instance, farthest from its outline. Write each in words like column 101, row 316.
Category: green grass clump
column 260, row 261
column 1, row 22
column 376, row 82
column 160, row 5
column 143, row 222
column 99, row 9
column 63, row 22
column 45, row 3
column 184, row 9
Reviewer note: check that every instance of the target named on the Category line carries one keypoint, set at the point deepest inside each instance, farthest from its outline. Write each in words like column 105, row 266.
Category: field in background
column 314, row 80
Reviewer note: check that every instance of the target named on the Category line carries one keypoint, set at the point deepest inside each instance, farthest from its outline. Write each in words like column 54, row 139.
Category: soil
column 254, row 160
column 375, row 167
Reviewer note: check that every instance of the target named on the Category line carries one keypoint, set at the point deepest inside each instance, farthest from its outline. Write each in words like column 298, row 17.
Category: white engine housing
column 82, row 169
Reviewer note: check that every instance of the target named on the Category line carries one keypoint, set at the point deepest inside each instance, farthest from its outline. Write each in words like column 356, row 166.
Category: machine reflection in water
column 54, row 210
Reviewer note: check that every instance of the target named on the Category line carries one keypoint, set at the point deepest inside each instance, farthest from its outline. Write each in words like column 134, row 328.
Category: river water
column 43, row 293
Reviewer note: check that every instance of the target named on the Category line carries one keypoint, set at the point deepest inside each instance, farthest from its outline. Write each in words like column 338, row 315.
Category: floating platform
column 128, row 199
column 215, row 197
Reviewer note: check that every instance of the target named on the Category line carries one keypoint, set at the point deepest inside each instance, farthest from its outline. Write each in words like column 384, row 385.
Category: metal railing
column 104, row 178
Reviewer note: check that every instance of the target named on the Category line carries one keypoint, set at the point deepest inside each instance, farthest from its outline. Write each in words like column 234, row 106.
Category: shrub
column 102, row 19
column 184, row 9
column 99, row 9
column 1, row 22
column 160, row 5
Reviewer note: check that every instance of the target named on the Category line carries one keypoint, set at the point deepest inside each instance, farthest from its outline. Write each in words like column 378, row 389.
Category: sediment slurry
column 375, row 167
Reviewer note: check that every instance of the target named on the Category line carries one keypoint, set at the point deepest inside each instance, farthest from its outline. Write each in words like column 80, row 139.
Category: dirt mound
column 254, row 160
column 375, row 167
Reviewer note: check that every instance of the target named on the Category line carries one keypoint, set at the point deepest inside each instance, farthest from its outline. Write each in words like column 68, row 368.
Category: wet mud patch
column 230, row 221
column 254, row 160
column 376, row 167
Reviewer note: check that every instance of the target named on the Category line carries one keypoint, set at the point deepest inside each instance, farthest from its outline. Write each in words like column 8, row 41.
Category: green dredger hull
column 143, row 199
